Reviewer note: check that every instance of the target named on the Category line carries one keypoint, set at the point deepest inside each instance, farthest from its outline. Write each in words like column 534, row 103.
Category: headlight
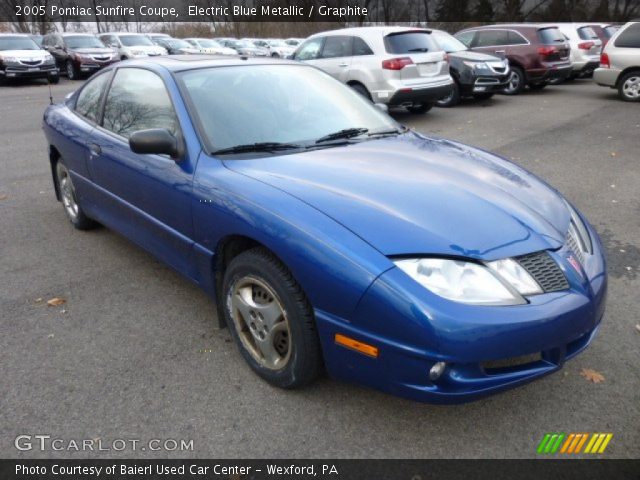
column 477, row 65
column 465, row 282
column 9, row 59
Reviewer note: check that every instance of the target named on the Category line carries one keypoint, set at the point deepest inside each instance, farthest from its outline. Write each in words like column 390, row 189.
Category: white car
column 396, row 66
column 585, row 45
column 132, row 45
column 207, row 45
column 280, row 48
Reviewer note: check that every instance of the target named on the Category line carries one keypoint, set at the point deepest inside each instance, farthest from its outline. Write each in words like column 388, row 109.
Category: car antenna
column 50, row 93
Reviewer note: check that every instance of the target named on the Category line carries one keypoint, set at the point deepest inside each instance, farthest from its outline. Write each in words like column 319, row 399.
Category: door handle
column 501, row 51
column 95, row 149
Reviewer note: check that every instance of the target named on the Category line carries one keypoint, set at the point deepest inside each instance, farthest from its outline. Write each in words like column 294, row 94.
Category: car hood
column 474, row 56
column 24, row 54
column 416, row 195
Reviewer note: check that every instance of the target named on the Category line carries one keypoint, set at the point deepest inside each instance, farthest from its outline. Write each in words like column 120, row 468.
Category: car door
column 493, row 42
column 147, row 197
column 335, row 56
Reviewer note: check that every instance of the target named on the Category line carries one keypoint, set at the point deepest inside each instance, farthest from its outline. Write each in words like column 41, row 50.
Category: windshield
column 204, row 43
column 587, row 33
column 135, row 41
column 415, row 41
column 17, row 43
column 448, row 42
column 550, row 36
column 83, row 41
column 277, row 43
column 177, row 43
column 303, row 105
column 244, row 44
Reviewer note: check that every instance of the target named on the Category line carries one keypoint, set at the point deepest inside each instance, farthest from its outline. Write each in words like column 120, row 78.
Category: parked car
column 279, row 48
column 536, row 53
column 21, row 57
column 156, row 36
column 132, row 45
column 396, row 66
column 330, row 236
column 176, row 46
column 585, row 45
column 620, row 63
column 79, row 54
column 294, row 42
column 604, row 31
column 207, row 45
column 475, row 74
column 244, row 47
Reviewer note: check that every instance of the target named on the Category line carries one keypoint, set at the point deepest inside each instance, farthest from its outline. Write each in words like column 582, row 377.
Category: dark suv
column 78, row 54
column 537, row 54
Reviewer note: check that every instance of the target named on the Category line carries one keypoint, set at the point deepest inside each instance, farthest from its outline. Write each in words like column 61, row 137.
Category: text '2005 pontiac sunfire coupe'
column 330, row 236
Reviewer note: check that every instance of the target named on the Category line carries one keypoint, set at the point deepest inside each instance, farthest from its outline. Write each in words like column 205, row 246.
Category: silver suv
column 585, row 47
column 397, row 66
column 620, row 63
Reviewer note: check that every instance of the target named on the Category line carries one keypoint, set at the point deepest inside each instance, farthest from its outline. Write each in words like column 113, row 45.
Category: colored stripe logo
column 574, row 443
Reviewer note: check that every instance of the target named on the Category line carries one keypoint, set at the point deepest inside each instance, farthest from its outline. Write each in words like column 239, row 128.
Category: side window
column 360, row 47
column 492, row 38
column 465, row 37
column 309, row 49
column 514, row 38
column 630, row 38
column 138, row 100
column 88, row 102
column 336, row 46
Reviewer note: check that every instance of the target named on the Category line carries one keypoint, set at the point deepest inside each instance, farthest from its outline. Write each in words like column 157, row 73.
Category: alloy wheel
column 71, row 74
column 68, row 195
column 514, row 82
column 261, row 322
column 631, row 87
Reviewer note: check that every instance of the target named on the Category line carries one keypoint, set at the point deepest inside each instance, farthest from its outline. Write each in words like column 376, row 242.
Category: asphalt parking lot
column 133, row 353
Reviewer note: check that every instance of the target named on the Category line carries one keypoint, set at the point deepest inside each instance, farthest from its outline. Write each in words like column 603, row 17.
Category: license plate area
column 426, row 69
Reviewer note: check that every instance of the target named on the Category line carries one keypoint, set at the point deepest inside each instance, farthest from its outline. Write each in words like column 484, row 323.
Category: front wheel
column 516, row 82
column 629, row 87
column 72, row 71
column 452, row 99
column 72, row 208
column 271, row 320
column 420, row 108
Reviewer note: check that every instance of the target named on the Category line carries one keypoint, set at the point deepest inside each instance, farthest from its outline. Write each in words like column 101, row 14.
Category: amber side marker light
column 352, row 344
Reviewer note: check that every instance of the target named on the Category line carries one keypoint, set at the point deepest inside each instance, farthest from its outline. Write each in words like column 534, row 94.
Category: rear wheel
column 516, row 82
column 537, row 86
column 361, row 89
column 629, row 87
column 271, row 320
column 452, row 99
column 420, row 108
column 72, row 208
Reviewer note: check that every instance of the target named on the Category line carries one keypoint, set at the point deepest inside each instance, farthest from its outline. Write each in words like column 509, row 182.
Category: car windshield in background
column 610, row 30
column 414, row 41
column 550, row 36
column 277, row 43
column 83, row 41
column 135, row 41
column 448, row 42
column 209, row 43
column 177, row 43
column 17, row 43
column 241, row 114
column 587, row 33
column 244, row 44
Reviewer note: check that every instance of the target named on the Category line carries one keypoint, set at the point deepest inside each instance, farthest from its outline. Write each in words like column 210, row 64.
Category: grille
column 544, row 270
column 31, row 63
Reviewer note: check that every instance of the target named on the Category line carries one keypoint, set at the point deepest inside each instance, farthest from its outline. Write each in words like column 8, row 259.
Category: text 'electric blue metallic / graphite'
column 330, row 236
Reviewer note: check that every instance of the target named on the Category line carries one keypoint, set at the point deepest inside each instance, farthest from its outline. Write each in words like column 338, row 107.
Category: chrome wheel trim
column 631, row 87
column 514, row 82
column 68, row 195
column 446, row 99
column 70, row 72
column 260, row 322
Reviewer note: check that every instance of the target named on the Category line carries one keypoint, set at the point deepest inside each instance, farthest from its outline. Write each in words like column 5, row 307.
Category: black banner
column 323, row 469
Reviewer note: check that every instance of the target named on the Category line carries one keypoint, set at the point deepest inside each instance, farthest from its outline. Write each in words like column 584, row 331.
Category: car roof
column 9, row 34
column 177, row 63
column 74, row 34
column 383, row 30
column 530, row 26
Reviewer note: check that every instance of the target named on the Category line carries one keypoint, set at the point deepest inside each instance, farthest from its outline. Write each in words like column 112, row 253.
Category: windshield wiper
column 418, row 49
column 258, row 147
column 346, row 133
column 394, row 131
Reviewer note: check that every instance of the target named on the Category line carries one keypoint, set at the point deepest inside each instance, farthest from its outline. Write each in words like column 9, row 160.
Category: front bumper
column 486, row 84
column 94, row 66
column 483, row 347
column 20, row 71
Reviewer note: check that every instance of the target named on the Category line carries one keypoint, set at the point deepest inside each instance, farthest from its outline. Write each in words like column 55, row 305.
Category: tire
column 72, row 71
column 362, row 90
column 420, row 108
column 483, row 96
column 72, row 207
column 537, row 86
column 629, row 87
column 271, row 320
column 54, row 80
column 452, row 99
column 516, row 82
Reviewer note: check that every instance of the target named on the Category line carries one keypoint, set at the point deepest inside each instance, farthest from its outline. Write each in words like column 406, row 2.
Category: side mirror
column 158, row 141
column 381, row 106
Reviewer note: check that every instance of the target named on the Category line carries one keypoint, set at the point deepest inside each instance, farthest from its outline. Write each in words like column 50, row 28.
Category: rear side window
column 549, row 36
column 610, row 30
column 516, row 39
column 465, row 37
column 360, row 47
column 587, row 33
column 492, row 38
column 630, row 38
column 88, row 102
column 336, row 46
column 410, row 42
column 309, row 50
column 138, row 100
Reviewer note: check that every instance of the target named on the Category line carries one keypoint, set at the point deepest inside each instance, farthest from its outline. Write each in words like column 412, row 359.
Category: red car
column 537, row 54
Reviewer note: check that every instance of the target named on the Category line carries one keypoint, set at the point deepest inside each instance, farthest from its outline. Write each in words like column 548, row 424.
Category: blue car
column 330, row 236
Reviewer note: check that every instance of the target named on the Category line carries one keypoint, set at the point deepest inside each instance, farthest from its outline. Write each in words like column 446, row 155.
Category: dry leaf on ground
column 592, row 375
column 55, row 301
column 3, row 197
